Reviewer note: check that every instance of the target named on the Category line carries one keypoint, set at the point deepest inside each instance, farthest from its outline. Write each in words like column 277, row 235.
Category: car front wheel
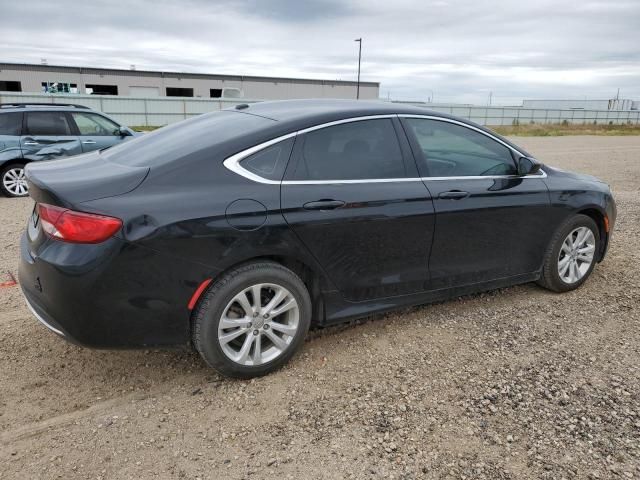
column 572, row 254
column 252, row 320
column 14, row 182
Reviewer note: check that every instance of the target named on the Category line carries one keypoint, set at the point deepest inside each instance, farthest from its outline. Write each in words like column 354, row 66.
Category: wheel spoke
column 244, row 302
column 566, row 245
column 286, row 329
column 275, row 301
column 227, row 337
column 279, row 343
column 286, row 306
column 243, row 354
column 575, row 272
column 226, row 322
column 563, row 270
column 256, row 290
column 257, row 351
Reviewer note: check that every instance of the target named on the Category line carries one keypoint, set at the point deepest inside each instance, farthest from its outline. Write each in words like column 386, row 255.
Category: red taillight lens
column 76, row 227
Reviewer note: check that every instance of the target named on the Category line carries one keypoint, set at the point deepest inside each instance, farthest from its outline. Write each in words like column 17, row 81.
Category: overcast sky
column 456, row 50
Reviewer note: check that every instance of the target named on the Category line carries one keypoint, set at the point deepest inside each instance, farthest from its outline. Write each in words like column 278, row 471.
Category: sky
column 446, row 50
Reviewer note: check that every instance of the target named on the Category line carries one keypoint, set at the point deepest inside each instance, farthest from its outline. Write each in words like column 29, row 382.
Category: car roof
column 299, row 110
column 300, row 114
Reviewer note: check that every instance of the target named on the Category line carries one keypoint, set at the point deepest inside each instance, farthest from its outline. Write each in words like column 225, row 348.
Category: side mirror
column 528, row 166
column 123, row 132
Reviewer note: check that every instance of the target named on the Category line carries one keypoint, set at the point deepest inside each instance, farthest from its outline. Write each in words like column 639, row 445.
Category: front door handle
column 454, row 194
column 323, row 205
column 31, row 143
column 89, row 142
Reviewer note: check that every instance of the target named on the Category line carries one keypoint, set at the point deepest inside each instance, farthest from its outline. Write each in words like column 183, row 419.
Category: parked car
column 293, row 214
column 30, row 132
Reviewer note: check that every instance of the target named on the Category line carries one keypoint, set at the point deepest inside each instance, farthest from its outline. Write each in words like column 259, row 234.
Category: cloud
column 457, row 50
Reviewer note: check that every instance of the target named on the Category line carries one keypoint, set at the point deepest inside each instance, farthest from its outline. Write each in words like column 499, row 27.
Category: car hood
column 558, row 172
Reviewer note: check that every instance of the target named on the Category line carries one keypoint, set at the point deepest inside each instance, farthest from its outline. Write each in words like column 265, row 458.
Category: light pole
column 359, row 40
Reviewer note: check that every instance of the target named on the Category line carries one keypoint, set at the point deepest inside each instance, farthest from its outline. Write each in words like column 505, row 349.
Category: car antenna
column 242, row 106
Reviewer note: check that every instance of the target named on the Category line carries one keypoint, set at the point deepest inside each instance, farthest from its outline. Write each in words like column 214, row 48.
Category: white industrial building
column 34, row 78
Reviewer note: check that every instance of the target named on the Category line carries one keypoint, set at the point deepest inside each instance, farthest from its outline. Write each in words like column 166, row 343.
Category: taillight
column 76, row 227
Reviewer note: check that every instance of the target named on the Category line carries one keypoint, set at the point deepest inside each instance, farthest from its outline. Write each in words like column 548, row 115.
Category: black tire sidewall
column 552, row 266
column 4, row 170
column 217, row 298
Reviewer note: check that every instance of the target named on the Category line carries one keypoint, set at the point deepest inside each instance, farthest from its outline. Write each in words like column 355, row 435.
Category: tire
column 12, row 181
column 233, row 296
column 558, row 274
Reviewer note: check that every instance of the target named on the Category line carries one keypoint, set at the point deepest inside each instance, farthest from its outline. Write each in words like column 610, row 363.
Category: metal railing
column 158, row 111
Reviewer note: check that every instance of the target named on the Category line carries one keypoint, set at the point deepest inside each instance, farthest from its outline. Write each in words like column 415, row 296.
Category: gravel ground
column 518, row 383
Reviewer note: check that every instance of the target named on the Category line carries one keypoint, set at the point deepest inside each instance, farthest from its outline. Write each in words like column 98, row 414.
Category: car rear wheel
column 572, row 255
column 252, row 320
column 14, row 182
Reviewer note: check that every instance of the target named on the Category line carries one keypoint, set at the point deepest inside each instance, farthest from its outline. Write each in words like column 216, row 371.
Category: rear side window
column 10, row 123
column 359, row 150
column 452, row 150
column 47, row 123
column 270, row 162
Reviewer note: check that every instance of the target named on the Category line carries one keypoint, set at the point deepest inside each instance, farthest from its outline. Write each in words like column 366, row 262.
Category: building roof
column 158, row 73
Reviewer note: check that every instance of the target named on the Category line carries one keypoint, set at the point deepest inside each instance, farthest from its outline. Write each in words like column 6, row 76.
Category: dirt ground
column 518, row 383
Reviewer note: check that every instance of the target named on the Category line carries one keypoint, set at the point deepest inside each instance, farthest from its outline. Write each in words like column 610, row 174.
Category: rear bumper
column 111, row 295
column 42, row 316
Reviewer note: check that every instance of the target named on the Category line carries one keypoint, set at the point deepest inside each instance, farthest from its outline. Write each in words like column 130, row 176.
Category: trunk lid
column 68, row 182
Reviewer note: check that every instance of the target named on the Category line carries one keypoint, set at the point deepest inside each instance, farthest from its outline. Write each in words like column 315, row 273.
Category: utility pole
column 359, row 40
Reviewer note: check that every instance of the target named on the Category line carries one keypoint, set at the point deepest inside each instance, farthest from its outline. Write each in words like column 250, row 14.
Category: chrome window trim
column 233, row 162
column 462, row 124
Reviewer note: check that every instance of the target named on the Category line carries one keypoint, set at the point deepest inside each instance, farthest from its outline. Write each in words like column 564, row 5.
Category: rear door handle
column 454, row 195
column 31, row 143
column 89, row 142
column 323, row 205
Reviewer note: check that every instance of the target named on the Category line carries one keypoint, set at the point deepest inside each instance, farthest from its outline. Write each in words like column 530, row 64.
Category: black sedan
column 236, row 231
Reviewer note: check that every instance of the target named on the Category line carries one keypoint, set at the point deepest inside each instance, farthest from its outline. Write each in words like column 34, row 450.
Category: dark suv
column 31, row 132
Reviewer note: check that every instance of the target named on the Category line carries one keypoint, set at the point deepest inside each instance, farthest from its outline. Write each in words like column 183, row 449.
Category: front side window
column 47, row 123
column 93, row 124
column 359, row 150
column 452, row 150
column 10, row 123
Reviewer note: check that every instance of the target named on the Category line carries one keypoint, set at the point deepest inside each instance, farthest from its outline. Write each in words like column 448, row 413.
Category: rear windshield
column 184, row 138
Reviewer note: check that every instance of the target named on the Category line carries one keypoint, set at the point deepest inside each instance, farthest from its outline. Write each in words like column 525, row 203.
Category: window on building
column 361, row 150
column 179, row 92
column 101, row 89
column 59, row 87
column 8, row 86
column 215, row 92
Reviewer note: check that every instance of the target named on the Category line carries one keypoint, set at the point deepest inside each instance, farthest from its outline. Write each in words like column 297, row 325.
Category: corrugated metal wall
column 32, row 76
column 162, row 110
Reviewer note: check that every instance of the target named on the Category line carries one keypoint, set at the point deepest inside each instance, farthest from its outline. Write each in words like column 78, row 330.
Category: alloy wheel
column 576, row 255
column 258, row 324
column 15, row 181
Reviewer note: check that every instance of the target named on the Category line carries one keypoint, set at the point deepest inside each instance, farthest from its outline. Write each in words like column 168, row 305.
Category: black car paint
column 187, row 218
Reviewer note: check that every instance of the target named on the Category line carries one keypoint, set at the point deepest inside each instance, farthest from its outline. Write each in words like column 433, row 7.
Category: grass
column 143, row 128
column 535, row 130
column 557, row 129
